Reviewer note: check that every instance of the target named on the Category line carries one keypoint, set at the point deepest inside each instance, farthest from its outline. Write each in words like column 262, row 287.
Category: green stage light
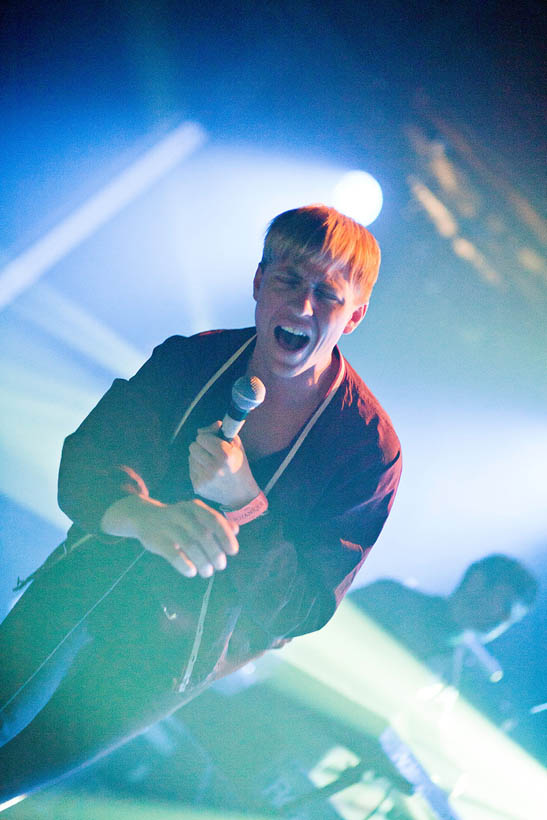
column 356, row 672
column 80, row 805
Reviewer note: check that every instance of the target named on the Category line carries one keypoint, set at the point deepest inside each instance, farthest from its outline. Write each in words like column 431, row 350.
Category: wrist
column 253, row 509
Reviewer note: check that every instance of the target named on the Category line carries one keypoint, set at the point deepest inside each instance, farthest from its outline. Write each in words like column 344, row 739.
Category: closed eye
column 329, row 295
column 287, row 279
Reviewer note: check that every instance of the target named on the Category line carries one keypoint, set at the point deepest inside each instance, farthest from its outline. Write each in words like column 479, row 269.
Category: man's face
column 301, row 312
column 497, row 610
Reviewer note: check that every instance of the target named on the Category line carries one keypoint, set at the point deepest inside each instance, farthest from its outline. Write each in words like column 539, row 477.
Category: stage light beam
column 29, row 266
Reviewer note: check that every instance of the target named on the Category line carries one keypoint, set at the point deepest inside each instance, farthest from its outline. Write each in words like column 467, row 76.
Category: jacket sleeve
column 296, row 563
column 121, row 446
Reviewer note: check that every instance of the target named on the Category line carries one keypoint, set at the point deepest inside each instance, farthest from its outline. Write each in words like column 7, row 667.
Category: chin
column 287, row 372
column 285, row 367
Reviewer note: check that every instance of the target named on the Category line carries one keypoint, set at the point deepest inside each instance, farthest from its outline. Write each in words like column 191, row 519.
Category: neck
column 297, row 391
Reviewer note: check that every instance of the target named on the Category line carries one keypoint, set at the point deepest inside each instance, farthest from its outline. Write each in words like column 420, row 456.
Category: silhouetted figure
column 494, row 593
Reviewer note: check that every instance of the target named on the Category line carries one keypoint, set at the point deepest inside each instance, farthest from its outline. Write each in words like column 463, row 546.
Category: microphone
column 247, row 393
column 486, row 661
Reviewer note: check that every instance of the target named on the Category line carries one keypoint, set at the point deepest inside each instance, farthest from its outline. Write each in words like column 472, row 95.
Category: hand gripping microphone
column 247, row 393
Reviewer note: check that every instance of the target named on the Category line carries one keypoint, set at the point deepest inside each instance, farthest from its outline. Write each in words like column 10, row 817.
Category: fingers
column 204, row 555
column 172, row 552
column 200, row 455
column 191, row 560
column 193, row 537
column 209, row 440
column 219, row 528
column 186, row 557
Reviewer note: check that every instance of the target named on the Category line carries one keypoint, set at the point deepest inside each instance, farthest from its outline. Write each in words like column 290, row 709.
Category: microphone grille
column 248, row 392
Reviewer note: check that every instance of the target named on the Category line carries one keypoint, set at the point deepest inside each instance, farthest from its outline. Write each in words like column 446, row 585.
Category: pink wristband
column 249, row 512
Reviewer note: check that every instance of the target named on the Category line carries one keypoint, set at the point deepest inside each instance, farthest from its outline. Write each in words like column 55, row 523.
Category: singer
column 191, row 554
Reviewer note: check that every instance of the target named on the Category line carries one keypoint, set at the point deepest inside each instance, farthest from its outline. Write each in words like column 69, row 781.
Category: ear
column 257, row 281
column 356, row 318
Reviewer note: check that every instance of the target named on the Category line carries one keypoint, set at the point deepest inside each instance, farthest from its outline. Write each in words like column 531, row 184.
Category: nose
column 303, row 302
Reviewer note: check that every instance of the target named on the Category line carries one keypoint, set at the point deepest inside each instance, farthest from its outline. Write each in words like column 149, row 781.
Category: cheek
column 267, row 302
column 260, row 310
column 334, row 324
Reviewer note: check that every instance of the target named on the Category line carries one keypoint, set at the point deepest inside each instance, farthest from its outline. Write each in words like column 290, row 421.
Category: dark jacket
column 295, row 563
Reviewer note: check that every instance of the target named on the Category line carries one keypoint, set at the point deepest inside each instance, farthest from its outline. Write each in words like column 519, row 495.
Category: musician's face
column 498, row 609
column 301, row 312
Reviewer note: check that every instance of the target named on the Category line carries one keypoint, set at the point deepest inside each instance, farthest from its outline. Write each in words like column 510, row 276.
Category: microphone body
column 486, row 661
column 247, row 393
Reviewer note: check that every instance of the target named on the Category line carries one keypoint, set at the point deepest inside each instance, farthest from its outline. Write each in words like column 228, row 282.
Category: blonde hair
column 324, row 236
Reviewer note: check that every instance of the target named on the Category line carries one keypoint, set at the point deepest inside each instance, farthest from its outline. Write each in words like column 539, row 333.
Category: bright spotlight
column 359, row 195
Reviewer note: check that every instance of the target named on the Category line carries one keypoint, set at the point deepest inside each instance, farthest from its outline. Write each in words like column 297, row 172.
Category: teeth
column 293, row 330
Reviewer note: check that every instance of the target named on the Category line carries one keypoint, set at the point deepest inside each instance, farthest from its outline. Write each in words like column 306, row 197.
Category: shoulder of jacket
column 209, row 339
column 360, row 404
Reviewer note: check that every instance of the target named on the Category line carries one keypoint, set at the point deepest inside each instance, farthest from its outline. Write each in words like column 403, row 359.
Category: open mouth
column 290, row 338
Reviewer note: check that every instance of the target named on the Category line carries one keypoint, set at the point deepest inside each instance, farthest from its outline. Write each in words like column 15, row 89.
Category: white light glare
column 29, row 266
column 359, row 195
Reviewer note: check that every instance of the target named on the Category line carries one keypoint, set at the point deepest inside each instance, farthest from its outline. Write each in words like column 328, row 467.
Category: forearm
column 119, row 449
